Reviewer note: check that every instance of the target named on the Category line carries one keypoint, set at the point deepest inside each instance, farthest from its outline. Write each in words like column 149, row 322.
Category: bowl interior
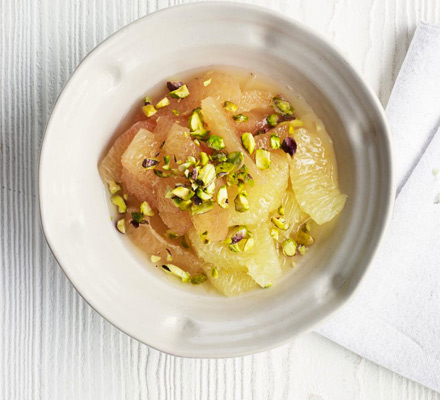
column 116, row 279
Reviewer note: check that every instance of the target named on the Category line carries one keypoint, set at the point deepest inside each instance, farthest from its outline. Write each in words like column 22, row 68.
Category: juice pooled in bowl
column 223, row 180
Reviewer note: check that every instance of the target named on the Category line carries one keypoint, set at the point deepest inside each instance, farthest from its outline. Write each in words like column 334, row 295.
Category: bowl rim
column 388, row 201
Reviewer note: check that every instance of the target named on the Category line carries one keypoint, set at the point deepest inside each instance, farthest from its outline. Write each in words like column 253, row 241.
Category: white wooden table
column 52, row 344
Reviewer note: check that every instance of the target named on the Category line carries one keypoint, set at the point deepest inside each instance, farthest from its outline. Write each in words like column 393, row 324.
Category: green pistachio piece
column 146, row 209
column 182, row 204
column 147, row 100
column 119, row 202
column 202, row 208
column 230, row 106
column 248, row 142
column 240, row 118
column 248, row 244
column 207, row 174
column 280, row 223
column 275, row 233
column 176, row 271
column 204, row 159
column 222, row 197
column 289, row 247
column 113, row 187
column 184, row 243
column 204, row 237
column 207, row 82
column 197, row 142
column 182, row 192
column 162, row 174
column 302, row 249
column 149, row 110
column 180, row 93
column 166, row 161
column 214, row 272
column 175, row 112
column 198, row 279
column 204, row 196
column 125, row 196
column 272, row 119
column 275, row 142
column 196, row 124
column 241, row 202
column 219, row 157
column 155, row 259
column 210, row 189
column 170, row 234
column 307, row 226
column 281, row 210
column 267, row 286
column 216, row 142
column 236, row 158
column 120, row 225
column 169, row 255
column 304, row 238
column 282, row 106
column 262, row 159
column 163, row 103
column 137, row 216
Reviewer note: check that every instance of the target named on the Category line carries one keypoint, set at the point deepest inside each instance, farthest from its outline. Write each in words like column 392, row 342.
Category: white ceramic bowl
column 101, row 264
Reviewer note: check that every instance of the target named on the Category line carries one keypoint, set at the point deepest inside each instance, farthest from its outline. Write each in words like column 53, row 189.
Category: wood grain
column 52, row 344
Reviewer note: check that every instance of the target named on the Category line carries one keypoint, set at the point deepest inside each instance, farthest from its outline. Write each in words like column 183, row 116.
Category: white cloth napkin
column 394, row 319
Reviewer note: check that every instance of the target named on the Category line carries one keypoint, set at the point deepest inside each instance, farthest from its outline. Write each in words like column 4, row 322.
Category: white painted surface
column 52, row 345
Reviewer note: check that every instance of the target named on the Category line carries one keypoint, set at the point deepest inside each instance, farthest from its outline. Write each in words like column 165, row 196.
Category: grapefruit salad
column 223, row 181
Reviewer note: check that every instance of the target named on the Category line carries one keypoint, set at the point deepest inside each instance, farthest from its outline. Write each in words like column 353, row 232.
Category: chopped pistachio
column 149, row 110
column 230, row 106
column 308, row 226
column 147, row 100
column 197, row 142
column 182, row 192
column 149, row 163
column 214, row 272
column 176, row 271
column 203, row 195
column 216, row 142
column 275, row 142
column 236, row 158
column 240, row 118
column 207, row 82
column 120, row 225
column 220, row 157
column 113, row 187
column 125, row 196
column 202, row 208
column 248, row 142
column 302, row 249
column 198, row 279
column 163, row 103
column 196, row 124
column 289, row 247
column 180, row 93
column 173, row 85
column 267, row 286
column 281, row 210
column 210, row 189
column 207, row 174
column 240, row 239
column 170, row 234
column 282, row 106
column 182, row 204
column 280, row 223
column 175, row 112
column 295, row 123
column 146, row 209
column 119, row 202
column 275, row 233
column 248, row 244
column 162, row 174
column 166, row 161
column 137, row 216
column 304, row 238
column 204, row 159
column 262, row 159
column 222, row 197
column 184, row 243
column 241, row 202
column 155, row 259
column 272, row 119
column 169, row 255
column 204, row 237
